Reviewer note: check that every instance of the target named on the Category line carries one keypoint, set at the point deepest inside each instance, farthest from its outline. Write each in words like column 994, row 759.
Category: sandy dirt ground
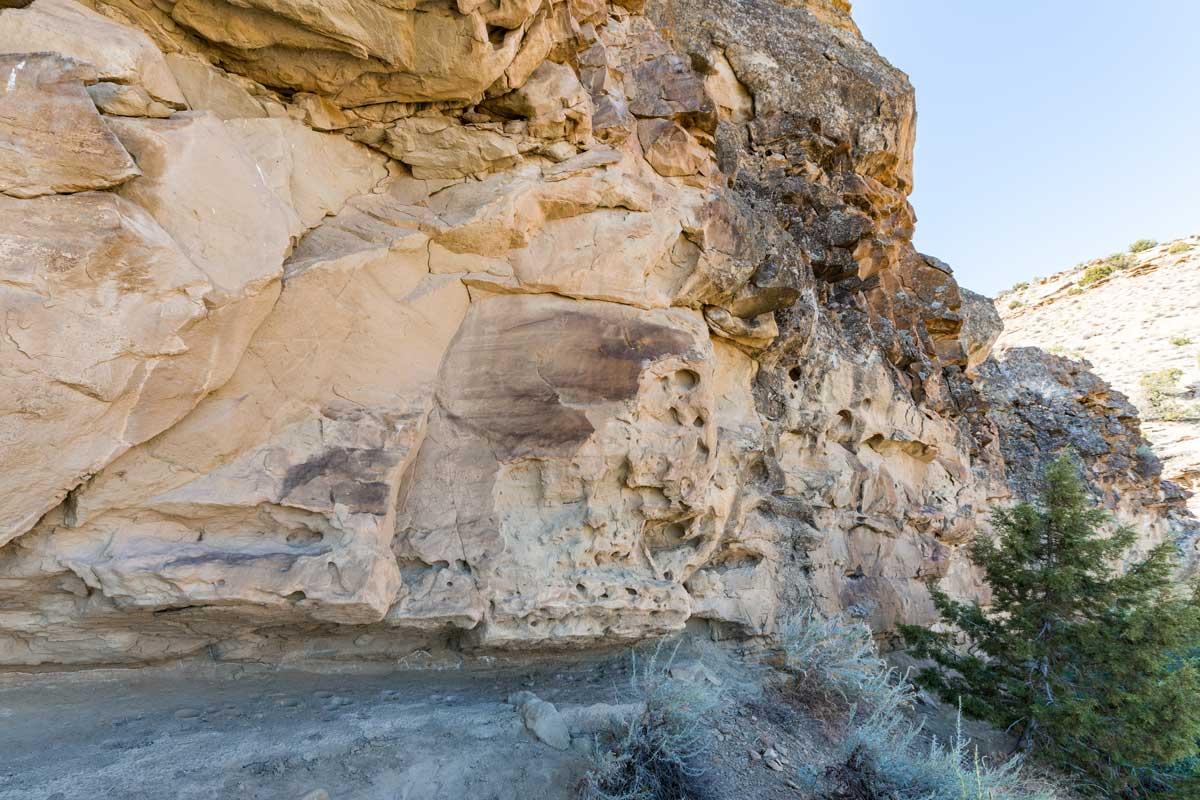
column 202, row 732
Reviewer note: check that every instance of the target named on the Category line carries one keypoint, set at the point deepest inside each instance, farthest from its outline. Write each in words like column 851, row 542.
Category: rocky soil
column 220, row 731
column 227, row 732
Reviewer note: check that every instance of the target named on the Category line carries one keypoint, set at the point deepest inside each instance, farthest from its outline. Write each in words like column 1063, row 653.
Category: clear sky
column 1048, row 131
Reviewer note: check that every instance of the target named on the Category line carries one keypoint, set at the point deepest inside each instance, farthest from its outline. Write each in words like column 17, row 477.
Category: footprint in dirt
column 331, row 701
column 225, row 712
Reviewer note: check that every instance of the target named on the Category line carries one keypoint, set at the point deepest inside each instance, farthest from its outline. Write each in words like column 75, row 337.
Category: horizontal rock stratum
column 346, row 330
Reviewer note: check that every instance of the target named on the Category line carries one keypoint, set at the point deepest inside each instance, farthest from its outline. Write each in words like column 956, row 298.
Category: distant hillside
column 1136, row 317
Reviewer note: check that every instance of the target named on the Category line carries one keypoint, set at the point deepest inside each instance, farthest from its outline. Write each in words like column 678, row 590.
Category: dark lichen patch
column 341, row 475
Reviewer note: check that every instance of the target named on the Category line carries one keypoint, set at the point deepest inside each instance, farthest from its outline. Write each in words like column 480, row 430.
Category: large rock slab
column 276, row 495
column 117, row 53
column 103, row 317
column 214, row 201
column 313, row 173
column 207, row 88
column 363, row 51
column 51, row 138
column 211, row 196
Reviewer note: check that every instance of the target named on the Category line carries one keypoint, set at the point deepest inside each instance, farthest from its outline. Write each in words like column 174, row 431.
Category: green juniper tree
column 1096, row 666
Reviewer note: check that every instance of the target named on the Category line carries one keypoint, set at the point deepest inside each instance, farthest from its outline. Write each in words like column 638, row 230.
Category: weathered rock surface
column 591, row 424
column 100, row 305
column 117, row 53
column 54, row 140
column 505, row 325
column 208, row 88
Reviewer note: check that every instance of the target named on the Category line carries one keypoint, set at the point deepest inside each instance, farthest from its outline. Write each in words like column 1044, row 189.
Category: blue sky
column 1048, row 131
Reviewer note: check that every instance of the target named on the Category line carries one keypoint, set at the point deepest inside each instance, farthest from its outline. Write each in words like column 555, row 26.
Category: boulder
column 126, row 101
column 208, row 88
column 543, row 721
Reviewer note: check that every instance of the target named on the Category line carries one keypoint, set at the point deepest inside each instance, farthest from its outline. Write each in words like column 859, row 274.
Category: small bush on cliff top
column 1141, row 245
column 1096, row 273
column 1179, row 247
column 665, row 751
column 1181, row 341
column 1160, row 388
column 1120, row 261
column 1096, row 667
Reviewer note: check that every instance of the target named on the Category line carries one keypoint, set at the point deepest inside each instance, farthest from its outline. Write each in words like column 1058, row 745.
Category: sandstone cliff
column 350, row 329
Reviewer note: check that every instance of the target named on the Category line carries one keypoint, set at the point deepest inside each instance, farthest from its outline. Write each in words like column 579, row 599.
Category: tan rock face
column 99, row 305
column 481, row 325
column 671, row 150
column 312, row 173
column 354, row 53
column 117, row 53
column 208, row 88
column 196, row 180
column 580, row 436
column 277, row 493
column 54, row 141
